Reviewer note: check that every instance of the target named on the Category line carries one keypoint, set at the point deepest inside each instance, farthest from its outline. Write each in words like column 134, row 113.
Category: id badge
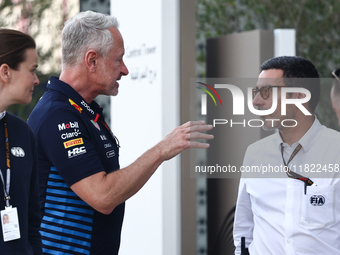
column 10, row 224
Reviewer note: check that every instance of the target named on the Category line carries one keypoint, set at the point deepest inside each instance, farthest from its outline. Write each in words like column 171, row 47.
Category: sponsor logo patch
column 110, row 154
column 95, row 124
column 83, row 103
column 76, row 152
column 73, row 142
column 70, row 135
column 107, row 145
column 317, row 200
column 79, row 109
column 69, row 125
column 103, row 137
column 18, row 152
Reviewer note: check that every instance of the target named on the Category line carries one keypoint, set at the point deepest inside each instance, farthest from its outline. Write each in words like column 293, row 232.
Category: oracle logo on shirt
column 107, row 145
column 64, row 126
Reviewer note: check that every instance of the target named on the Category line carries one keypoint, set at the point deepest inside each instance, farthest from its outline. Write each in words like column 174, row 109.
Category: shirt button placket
column 289, row 222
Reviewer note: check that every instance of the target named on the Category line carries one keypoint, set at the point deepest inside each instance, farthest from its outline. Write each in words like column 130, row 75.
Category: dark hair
column 13, row 45
column 297, row 67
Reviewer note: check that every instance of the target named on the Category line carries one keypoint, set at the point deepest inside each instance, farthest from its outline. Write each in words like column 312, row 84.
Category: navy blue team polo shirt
column 74, row 142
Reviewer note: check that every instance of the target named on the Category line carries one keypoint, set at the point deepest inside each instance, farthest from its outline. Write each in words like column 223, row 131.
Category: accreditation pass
column 10, row 224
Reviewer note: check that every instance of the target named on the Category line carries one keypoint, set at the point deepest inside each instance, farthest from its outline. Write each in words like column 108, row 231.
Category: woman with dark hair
column 18, row 154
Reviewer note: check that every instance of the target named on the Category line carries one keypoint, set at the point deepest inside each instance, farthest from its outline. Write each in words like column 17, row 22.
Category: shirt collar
column 308, row 139
column 93, row 109
column 2, row 114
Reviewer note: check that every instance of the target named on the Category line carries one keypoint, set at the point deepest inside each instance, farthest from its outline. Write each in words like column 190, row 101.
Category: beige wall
column 187, row 71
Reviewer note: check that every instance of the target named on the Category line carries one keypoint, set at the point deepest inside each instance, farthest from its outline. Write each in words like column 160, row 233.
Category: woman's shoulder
column 13, row 118
column 16, row 122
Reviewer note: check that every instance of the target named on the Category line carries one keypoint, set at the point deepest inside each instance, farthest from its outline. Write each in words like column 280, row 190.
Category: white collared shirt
column 2, row 114
column 274, row 213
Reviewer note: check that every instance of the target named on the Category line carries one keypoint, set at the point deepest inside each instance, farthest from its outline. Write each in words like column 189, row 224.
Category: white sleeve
column 243, row 222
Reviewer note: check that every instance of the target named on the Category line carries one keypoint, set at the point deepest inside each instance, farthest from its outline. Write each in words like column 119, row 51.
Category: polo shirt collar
column 93, row 109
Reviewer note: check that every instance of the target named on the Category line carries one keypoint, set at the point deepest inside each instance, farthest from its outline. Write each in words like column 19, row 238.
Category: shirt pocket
column 317, row 208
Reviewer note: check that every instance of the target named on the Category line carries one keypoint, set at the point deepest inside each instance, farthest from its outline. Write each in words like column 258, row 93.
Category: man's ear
column 5, row 73
column 91, row 60
column 298, row 95
column 301, row 95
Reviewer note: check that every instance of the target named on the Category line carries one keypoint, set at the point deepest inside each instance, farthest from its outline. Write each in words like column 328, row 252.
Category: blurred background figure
column 335, row 93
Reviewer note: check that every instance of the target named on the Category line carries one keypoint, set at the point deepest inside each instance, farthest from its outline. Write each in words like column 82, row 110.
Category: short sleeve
column 67, row 144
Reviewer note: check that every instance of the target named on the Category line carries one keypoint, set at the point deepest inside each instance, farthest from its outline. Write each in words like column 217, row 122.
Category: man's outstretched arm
column 104, row 192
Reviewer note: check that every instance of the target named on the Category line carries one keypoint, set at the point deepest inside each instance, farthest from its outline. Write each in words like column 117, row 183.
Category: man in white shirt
column 297, row 215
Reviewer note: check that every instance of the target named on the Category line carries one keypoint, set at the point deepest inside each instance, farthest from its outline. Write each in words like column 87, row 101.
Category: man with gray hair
column 82, row 188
